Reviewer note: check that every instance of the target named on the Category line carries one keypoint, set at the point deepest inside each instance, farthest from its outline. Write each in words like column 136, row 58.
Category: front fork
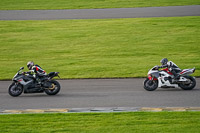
column 151, row 78
column 16, row 83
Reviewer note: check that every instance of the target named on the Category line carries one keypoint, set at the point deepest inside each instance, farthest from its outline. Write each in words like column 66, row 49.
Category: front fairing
column 17, row 77
column 18, row 74
column 153, row 72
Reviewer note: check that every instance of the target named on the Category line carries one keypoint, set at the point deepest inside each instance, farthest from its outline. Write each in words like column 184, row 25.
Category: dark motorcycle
column 27, row 84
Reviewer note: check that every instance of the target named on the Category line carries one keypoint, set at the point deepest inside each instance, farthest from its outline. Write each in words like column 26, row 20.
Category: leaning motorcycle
column 27, row 84
column 165, row 79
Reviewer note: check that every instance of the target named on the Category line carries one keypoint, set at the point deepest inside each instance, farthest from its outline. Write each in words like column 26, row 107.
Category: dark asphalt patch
column 169, row 11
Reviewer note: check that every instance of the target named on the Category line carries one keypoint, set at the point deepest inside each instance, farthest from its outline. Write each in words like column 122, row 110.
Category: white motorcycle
column 165, row 79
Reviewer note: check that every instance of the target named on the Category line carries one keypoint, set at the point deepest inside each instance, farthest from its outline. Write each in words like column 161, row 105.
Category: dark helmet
column 30, row 64
column 164, row 61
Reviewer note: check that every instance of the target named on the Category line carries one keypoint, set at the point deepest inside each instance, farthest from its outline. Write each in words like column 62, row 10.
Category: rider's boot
column 38, row 82
column 177, row 77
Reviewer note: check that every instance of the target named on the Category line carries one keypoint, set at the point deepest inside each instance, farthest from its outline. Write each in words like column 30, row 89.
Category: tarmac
column 171, row 11
column 101, row 95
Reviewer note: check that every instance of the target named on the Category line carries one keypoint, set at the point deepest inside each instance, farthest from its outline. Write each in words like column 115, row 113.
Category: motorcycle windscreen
column 155, row 74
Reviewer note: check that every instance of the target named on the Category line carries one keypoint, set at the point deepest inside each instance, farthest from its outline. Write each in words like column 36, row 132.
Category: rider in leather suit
column 37, row 70
column 173, row 68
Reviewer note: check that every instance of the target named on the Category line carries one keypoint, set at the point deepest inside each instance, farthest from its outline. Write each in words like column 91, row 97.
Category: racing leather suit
column 173, row 68
column 39, row 72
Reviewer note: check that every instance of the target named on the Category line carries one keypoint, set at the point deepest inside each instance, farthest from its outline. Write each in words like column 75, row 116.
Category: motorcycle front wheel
column 150, row 85
column 15, row 89
column 188, row 85
column 54, row 89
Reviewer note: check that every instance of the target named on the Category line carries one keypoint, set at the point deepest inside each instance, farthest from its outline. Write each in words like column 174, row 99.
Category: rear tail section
column 187, row 71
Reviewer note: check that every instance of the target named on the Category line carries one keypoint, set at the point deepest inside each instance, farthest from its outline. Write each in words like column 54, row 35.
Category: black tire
column 15, row 89
column 150, row 85
column 188, row 85
column 55, row 88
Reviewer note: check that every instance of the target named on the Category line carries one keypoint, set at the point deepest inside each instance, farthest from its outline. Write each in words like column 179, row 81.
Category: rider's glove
column 157, row 67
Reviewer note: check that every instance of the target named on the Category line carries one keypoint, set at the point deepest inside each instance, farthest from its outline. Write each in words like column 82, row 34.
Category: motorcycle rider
column 173, row 68
column 39, row 72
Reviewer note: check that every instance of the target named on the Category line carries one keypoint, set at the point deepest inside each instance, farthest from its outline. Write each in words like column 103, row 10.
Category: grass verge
column 86, row 4
column 100, row 48
column 172, row 122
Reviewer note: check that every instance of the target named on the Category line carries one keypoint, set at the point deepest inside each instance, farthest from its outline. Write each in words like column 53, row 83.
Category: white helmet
column 30, row 64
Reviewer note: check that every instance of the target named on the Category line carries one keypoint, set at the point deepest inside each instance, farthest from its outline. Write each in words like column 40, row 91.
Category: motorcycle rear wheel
column 188, row 85
column 55, row 88
column 15, row 89
column 150, row 85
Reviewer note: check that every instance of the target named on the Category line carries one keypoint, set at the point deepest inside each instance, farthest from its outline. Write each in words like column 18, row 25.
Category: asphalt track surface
column 170, row 11
column 87, row 93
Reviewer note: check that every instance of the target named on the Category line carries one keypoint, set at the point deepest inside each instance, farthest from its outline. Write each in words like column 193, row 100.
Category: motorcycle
column 165, row 79
column 27, row 84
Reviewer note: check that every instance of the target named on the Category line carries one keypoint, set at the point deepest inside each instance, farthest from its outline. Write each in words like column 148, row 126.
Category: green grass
column 83, row 4
column 133, row 122
column 100, row 48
